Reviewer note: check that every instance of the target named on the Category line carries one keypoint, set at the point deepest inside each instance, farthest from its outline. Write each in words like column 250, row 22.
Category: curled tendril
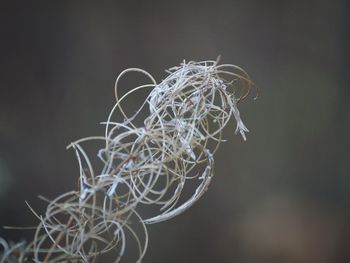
column 142, row 165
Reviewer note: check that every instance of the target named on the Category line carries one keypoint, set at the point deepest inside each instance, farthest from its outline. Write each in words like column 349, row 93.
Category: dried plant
column 143, row 165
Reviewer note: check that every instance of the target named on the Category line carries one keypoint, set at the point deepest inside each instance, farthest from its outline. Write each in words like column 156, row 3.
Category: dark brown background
column 283, row 196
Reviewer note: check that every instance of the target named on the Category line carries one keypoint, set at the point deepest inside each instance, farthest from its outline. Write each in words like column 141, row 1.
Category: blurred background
column 282, row 196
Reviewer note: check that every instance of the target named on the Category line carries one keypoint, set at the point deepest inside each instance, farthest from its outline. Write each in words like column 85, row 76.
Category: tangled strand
column 143, row 165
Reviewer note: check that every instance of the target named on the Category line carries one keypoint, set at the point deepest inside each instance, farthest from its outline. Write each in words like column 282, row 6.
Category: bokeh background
column 282, row 196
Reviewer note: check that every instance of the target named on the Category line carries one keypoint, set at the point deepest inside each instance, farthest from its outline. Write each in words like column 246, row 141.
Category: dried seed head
column 147, row 165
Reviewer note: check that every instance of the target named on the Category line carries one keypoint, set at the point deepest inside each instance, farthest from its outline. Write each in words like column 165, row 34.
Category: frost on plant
column 143, row 165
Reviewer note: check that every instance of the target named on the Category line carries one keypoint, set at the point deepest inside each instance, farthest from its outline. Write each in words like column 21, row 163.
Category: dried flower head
column 145, row 165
